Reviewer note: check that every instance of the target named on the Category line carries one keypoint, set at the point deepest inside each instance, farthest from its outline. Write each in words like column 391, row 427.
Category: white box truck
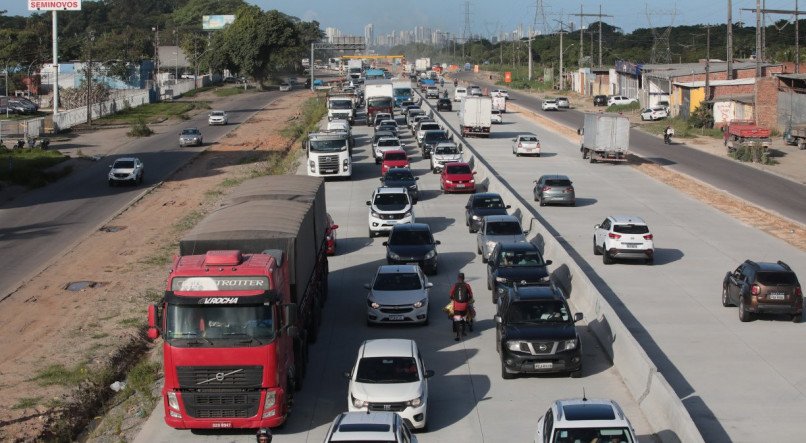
column 422, row 64
column 605, row 137
column 354, row 68
column 475, row 116
column 379, row 96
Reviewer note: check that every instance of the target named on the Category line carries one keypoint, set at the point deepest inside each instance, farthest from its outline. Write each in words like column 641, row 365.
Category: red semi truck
column 242, row 302
column 738, row 133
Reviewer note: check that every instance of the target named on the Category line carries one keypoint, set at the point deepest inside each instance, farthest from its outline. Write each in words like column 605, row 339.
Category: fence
column 122, row 100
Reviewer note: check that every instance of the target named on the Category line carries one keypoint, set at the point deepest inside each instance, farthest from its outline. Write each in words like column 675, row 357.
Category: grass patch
column 140, row 129
column 155, row 112
column 228, row 92
column 132, row 321
column 188, row 221
column 58, row 374
column 29, row 167
column 312, row 111
column 681, row 129
column 153, row 296
column 99, row 335
column 26, row 403
column 162, row 257
column 197, row 91
column 632, row 106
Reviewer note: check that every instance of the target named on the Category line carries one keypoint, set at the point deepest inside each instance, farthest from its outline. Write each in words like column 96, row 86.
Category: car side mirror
column 369, row 203
column 386, row 243
column 509, row 206
column 381, row 179
column 595, row 226
column 367, row 286
column 548, row 262
column 429, row 285
column 437, row 242
column 498, row 319
column 475, row 172
column 334, row 227
column 429, row 373
column 578, row 316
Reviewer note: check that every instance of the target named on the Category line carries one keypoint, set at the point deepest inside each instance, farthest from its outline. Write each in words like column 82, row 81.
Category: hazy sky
column 488, row 17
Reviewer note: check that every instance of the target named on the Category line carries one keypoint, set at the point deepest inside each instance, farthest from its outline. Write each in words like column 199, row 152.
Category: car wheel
column 796, row 318
column 606, row 259
column 744, row 314
column 371, row 234
column 595, row 248
column 542, row 202
column 725, row 299
column 534, row 195
column 489, row 286
column 537, row 155
column 478, row 249
column 484, row 258
column 504, row 374
column 650, row 261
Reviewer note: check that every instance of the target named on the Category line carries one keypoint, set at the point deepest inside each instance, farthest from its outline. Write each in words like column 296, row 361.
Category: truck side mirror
column 548, row 262
column 346, row 374
column 153, row 329
column 580, row 131
column 578, row 316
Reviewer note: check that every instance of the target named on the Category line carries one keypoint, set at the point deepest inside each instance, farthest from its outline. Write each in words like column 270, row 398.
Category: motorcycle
column 667, row 138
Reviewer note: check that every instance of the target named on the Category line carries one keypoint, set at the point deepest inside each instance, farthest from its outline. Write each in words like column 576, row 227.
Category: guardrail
column 664, row 410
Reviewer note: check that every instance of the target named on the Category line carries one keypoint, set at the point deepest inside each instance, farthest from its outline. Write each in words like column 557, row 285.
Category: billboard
column 54, row 5
column 216, row 22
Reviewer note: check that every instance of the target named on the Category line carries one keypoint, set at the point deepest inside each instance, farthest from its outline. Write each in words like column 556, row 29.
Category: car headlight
column 394, row 256
column 312, row 164
column 475, row 217
column 359, row 403
column 173, row 401
column 501, row 279
column 421, row 303
column 472, row 181
column 375, row 214
column 518, row 346
column 568, row 345
column 415, row 402
column 490, row 245
column 373, row 304
column 430, row 254
column 407, row 214
column 448, row 182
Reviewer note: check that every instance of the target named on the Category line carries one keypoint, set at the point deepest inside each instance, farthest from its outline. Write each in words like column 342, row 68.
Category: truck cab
column 329, row 154
column 340, row 107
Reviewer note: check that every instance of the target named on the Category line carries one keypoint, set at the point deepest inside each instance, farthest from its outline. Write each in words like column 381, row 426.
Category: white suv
column 126, row 170
column 389, row 207
column 217, row 118
column 372, row 426
column 584, row 420
column 389, row 375
column 623, row 236
column 620, row 100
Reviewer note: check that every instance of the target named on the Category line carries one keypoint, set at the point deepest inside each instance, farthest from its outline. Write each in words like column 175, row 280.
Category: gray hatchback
column 554, row 189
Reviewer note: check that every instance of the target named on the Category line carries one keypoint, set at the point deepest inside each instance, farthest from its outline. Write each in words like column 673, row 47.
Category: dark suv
column 444, row 104
column 535, row 332
column 480, row 205
column 760, row 287
column 431, row 139
column 412, row 243
column 515, row 263
column 599, row 100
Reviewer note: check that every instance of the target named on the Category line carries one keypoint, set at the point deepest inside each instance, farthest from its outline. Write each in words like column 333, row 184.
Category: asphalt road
column 763, row 189
column 42, row 224
column 739, row 381
column 469, row 401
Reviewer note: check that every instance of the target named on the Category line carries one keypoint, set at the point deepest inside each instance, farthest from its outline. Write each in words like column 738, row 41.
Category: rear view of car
column 377, row 426
column 554, row 189
column 763, row 288
column 623, row 237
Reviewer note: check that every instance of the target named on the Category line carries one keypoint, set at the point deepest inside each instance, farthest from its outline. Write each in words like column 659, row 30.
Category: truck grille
column 340, row 115
column 542, row 347
column 221, row 405
column 394, row 407
column 211, row 377
column 329, row 164
column 391, row 216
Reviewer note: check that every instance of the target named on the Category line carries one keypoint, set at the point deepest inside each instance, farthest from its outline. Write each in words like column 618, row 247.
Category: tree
column 190, row 15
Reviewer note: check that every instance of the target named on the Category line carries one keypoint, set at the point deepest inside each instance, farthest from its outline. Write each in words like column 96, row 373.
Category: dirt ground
column 51, row 338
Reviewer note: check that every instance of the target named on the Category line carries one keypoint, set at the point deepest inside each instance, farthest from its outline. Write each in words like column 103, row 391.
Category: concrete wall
column 791, row 109
column 662, row 407
column 69, row 118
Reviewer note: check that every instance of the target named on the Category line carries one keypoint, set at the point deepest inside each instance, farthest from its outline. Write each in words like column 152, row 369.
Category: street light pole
column 55, row 27
column 89, row 78
column 176, row 66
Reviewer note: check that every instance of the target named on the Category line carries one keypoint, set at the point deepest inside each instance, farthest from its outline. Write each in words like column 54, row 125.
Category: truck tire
column 584, row 153
column 592, row 160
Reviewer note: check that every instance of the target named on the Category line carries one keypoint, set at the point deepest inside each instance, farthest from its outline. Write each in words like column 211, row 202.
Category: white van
column 459, row 93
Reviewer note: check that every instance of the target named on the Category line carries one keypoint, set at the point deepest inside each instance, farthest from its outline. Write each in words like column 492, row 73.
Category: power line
column 760, row 32
column 661, row 48
column 582, row 15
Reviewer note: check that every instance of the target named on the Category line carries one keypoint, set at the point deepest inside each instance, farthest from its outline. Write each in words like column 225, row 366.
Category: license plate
column 460, row 186
column 776, row 296
column 222, row 425
column 396, row 317
column 543, row 365
column 330, row 171
column 631, row 245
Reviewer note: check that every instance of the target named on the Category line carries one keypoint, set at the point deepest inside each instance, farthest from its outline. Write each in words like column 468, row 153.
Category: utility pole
column 759, row 32
column 156, row 59
column 708, row 64
column 91, row 38
column 529, row 49
column 562, row 32
column 599, row 17
column 758, row 38
column 763, row 30
column 797, row 43
column 176, row 65
column 600, row 36
column 55, row 64
column 581, row 32
column 730, row 40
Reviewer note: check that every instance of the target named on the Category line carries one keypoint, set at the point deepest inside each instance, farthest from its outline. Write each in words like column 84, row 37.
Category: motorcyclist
column 667, row 134
column 461, row 296
column 444, row 94
column 455, row 83
column 263, row 435
column 442, row 82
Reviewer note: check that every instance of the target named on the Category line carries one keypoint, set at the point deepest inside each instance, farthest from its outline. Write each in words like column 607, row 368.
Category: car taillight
column 546, row 188
column 798, row 292
column 569, row 189
column 648, row 237
column 755, row 290
column 614, row 236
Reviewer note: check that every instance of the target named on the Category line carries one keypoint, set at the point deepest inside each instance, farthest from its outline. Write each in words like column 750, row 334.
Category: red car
column 330, row 236
column 457, row 177
column 394, row 158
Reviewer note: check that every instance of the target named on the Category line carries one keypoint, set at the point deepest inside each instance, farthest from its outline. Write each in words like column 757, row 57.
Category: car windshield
column 609, row 435
column 341, row 104
column 435, row 136
column 387, row 370
column 488, row 203
column 521, row 258
column 528, row 138
column 777, row 278
column 550, row 102
column 391, row 202
column 446, row 150
column 429, row 127
column 395, row 156
column 389, row 142
column 397, row 281
column 206, row 322
column 399, row 174
column 190, row 132
column 217, row 113
column 504, row 228
column 337, row 145
column 544, row 311
column 458, row 169
column 123, row 164
column 402, row 92
column 383, row 134
column 558, row 182
column 631, row 229
column 410, row 237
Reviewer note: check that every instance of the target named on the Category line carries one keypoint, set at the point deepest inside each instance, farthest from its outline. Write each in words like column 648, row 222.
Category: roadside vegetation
column 155, row 112
column 31, row 168
column 140, row 129
column 310, row 113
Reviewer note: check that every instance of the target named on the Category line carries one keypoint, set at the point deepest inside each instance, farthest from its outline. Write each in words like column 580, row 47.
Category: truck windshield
column 328, row 145
column 341, row 104
column 402, row 92
column 538, row 312
column 206, row 323
column 621, row 435
column 387, row 370
column 379, row 102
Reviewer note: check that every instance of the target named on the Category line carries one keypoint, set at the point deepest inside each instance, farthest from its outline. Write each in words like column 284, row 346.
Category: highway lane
column 739, row 381
column 763, row 189
column 43, row 223
column 468, row 399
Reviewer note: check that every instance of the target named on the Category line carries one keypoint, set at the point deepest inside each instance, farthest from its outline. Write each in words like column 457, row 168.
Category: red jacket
column 461, row 306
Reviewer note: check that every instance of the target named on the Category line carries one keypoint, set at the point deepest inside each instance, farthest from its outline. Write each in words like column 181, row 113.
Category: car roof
column 769, row 267
column 388, row 347
column 501, row 218
column 364, row 426
column 216, row 110
column 585, row 413
column 518, row 246
column 385, row 190
column 555, row 177
column 527, row 134
column 412, row 227
column 480, row 195
column 536, row 292
column 191, row 129
column 627, row 219
column 130, row 159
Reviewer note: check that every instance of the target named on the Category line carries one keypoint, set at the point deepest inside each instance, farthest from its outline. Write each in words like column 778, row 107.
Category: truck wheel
column 584, row 153
column 801, row 144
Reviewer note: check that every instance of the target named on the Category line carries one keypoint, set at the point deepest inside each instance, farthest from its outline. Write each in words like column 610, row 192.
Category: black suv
column 444, row 104
column 599, row 100
column 760, row 287
column 412, row 243
column 535, row 332
column 431, row 139
column 515, row 263
column 480, row 205
column 402, row 178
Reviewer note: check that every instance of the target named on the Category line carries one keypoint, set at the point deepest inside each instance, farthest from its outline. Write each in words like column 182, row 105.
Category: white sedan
column 499, row 93
column 550, row 105
column 655, row 113
column 496, row 116
column 526, row 144
column 217, row 118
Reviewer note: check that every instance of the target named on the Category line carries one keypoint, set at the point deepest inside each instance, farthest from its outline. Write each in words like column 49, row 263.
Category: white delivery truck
column 499, row 103
column 354, row 68
column 422, row 64
column 605, row 137
column 379, row 96
column 475, row 116
column 329, row 154
column 341, row 107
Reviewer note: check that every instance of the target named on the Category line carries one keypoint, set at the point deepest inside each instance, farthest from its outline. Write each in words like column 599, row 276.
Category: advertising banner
column 54, row 5
column 216, row 22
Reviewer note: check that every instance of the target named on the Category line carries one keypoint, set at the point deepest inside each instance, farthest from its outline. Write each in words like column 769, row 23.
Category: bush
column 753, row 154
column 140, row 129
column 701, row 117
column 632, row 106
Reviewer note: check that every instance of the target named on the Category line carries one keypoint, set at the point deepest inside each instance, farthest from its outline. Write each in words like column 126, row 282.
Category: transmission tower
column 539, row 24
column 661, row 48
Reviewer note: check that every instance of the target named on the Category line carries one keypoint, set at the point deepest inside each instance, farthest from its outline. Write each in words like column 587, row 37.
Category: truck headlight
column 415, row 402
column 173, row 401
column 421, row 303
column 501, row 279
column 430, row 254
column 518, row 346
column 271, row 400
column 490, row 245
column 569, row 345
column 359, row 403
column 475, row 217
column 394, row 256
